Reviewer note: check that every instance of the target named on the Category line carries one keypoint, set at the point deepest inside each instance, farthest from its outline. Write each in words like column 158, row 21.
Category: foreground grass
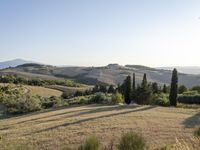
column 69, row 126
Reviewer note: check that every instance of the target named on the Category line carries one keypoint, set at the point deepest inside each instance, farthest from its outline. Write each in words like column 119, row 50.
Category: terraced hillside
column 68, row 126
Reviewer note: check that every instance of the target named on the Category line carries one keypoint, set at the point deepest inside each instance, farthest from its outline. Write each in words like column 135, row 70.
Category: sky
column 154, row 33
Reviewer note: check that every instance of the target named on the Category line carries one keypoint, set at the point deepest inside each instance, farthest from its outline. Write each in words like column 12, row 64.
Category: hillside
column 111, row 74
column 69, row 126
column 13, row 63
column 187, row 70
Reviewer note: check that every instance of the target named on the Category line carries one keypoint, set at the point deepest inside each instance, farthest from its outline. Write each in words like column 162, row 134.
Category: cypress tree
column 174, row 88
column 144, row 92
column 155, row 88
column 133, row 88
column 144, row 81
column 127, row 93
column 164, row 88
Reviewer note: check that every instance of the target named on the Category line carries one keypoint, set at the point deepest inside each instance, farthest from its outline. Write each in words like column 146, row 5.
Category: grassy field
column 37, row 90
column 45, row 92
column 55, row 129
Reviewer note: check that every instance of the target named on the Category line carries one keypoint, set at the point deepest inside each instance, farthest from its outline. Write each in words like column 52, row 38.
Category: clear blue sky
column 98, row 32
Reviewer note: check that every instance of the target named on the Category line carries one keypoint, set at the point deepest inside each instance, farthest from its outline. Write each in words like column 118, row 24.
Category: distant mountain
column 110, row 74
column 13, row 63
column 187, row 70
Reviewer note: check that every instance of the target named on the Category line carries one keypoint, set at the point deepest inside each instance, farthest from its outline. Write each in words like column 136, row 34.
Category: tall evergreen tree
column 144, row 81
column 127, row 92
column 133, row 88
column 174, row 88
column 155, row 88
column 144, row 92
column 164, row 88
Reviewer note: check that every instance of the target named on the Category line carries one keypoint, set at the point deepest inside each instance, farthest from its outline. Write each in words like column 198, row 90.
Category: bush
column 117, row 98
column 160, row 100
column 101, row 98
column 22, row 104
column 189, row 99
column 131, row 141
column 196, row 88
column 189, row 93
column 18, row 100
column 197, row 132
column 91, row 143
column 66, row 95
column 53, row 101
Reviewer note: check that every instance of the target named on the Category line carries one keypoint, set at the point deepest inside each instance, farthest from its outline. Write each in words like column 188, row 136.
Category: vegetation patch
column 197, row 132
column 91, row 143
column 131, row 141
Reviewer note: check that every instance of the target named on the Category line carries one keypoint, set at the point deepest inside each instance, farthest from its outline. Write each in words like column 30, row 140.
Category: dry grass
column 55, row 129
column 44, row 92
column 70, row 89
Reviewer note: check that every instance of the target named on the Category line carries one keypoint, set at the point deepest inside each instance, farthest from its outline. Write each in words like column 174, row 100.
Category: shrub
column 197, row 132
column 18, row 100
column 66, row 95
column 101, row 98
column 189, row 99
column 22, row 104
column 196, row 88
column 117, row 98
column 91, row 143
column 53, row 101
column 160, row 99
column 131, row 141
column 189, row 93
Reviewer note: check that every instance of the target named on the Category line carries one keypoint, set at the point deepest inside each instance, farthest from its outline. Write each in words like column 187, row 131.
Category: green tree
column 103, row 88
column 111, row 89
column 164, row 88
column 196, row 88
column 174, row 88
column 133, row 88
column 182, row 89
column 144, row 81
column 155, row 88
column 144, row 92
column 127, row 92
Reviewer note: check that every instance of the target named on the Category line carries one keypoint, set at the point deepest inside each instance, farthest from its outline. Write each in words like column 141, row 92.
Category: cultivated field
column 55, row 129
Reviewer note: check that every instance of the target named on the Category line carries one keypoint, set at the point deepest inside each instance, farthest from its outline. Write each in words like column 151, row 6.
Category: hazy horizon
column 96, row 33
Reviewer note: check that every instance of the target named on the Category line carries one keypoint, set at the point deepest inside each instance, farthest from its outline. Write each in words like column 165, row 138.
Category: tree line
column 143, row 93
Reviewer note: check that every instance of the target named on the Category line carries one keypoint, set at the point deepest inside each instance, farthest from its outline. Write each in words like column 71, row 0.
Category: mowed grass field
column 69, row 126
column 44, row 92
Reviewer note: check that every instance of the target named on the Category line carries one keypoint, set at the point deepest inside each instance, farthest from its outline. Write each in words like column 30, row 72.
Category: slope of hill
column 13, row 63
column 187, row 70
column 111, row 74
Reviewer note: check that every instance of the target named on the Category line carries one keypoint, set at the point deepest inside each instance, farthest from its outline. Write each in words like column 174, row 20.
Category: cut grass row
column 55, row 129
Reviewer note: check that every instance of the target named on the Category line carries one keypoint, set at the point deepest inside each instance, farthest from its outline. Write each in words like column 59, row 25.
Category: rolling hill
column 188, row 70
column 13, row 63
column 110, row 74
